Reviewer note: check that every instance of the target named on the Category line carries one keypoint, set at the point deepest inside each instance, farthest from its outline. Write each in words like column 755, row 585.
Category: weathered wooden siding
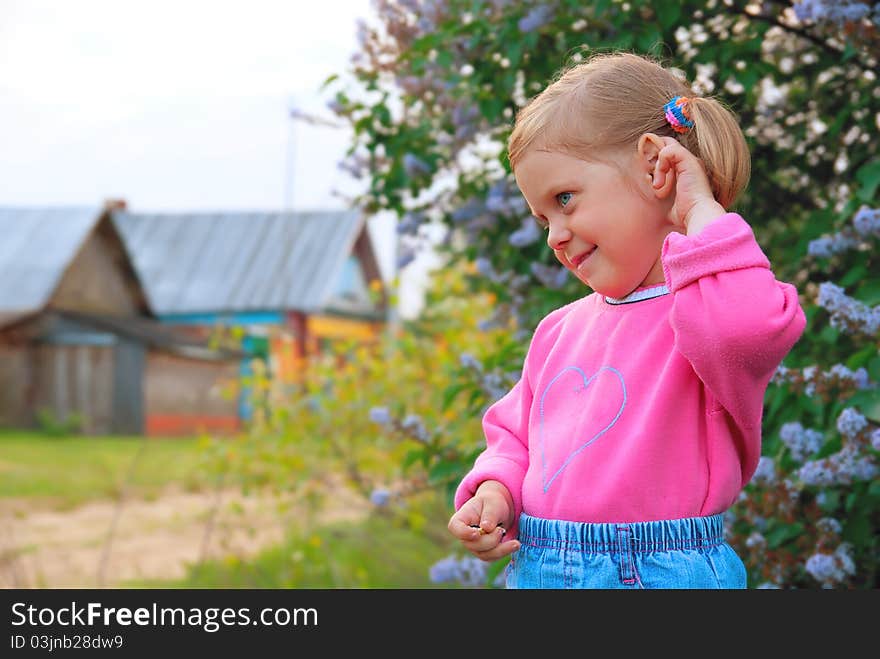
column 96, row 282
column 128, row 387
column 185, row 396
column 76, row 379
column 16, row 382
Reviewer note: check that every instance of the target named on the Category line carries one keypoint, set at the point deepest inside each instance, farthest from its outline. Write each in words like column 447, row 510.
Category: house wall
column 185, row 396
column 76, row 379
column 15, row 386
column 96, row 281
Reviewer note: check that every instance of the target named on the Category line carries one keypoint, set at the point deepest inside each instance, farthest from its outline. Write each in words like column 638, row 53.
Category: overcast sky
column 174, row 104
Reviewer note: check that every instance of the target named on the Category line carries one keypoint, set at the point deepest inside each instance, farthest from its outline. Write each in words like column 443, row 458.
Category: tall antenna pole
column 290, row 157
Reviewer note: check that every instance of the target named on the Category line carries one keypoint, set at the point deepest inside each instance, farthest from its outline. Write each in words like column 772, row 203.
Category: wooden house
column 78, row 337
column 290, row 282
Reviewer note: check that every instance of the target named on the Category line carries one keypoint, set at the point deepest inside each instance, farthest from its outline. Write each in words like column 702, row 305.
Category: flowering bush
column 439, row 82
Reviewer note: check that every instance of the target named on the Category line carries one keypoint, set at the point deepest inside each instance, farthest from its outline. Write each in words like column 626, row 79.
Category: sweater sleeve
column 506, row 427
column 506, row 456
column 732, row 320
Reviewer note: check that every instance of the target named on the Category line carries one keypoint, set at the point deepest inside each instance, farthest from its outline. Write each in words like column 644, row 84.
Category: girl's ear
column 647, row 157
column 648, row 150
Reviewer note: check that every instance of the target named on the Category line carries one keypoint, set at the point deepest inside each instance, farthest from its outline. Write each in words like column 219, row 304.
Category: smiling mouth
column 576, row 262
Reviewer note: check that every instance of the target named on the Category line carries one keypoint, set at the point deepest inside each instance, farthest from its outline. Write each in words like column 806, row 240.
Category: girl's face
column 606, row 227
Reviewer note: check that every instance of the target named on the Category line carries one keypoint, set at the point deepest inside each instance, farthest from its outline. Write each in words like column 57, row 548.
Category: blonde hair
column 606, row 103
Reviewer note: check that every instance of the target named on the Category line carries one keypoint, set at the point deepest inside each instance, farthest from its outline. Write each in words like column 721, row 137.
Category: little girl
column 637, row 419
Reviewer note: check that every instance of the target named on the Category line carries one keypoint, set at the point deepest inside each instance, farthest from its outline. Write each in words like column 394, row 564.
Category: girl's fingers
column 462, row 530
column 664, row 175
column 484, row 542
column 500, row 551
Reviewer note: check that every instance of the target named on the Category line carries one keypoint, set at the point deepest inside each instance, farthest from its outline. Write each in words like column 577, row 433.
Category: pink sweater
column 649, row 409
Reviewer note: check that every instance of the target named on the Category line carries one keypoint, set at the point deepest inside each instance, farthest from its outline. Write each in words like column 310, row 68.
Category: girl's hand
column 482, row 521
column 678, row 170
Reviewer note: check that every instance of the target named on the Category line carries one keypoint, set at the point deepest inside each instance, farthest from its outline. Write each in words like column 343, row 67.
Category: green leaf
column 496, row 568
column 782, row 534
column 869, row 177
column 669, row 15
column 444, row 470
column 855, row 274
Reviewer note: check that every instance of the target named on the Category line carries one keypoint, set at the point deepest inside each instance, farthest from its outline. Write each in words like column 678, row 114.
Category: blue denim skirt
column 678, row 553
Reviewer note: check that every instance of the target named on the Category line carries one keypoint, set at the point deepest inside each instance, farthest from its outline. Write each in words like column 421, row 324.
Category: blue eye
column 563, row 198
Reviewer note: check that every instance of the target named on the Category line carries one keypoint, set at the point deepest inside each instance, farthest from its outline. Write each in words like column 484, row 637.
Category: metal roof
column 239, row 261
column 36, row 247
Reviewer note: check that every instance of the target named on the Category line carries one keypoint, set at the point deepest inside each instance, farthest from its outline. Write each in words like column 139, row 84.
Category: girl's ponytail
column 718, row 141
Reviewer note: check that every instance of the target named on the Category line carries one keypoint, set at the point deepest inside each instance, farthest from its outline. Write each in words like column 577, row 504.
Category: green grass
column 63, row 472
column 373, row 553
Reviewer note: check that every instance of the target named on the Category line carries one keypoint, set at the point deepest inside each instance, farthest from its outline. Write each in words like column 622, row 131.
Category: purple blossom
column 380, row 497
column 414, row 425
column 850, row 423
column 380, row 415
column 468, row 571
column 841, row 468
column 867, row 221
column 831, row 569
column 467, row 360
column 537, row 17
column 847, row 313
column 756, row 541
column 827, row 246
column 801, row 442
column 551, row 276
column 527, row 234
column 469, row 211
column 765, row 473
column 829, row 525
column 414, row 165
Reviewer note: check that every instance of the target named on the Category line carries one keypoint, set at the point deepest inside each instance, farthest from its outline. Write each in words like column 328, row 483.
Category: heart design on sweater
column 556, row 411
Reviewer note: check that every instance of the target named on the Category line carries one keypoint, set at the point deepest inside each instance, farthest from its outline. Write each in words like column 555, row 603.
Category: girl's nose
column 557, row 235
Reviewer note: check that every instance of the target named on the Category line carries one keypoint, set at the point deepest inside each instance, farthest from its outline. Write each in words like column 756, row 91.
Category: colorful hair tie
column 677, row 114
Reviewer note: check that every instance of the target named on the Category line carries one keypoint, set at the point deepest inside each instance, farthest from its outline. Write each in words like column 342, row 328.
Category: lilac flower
column 380, row 415
column 864, row 469
column 831, row 569
column 468, row 571
column 380, row 497
column 867, row 221
column 537, row 17
column 831, row 11
column 497, row 197
column 405, row 257
column 756, row 541
column 410, row 223
column 827, row 246
column 469, row 361
column 551, row 276
column 858, row 377
column 414, row 425
column 765, row 473
column 527, row 234
column 850, row 423
column 875, row 439
column 841, row 468
column 829, row 525
column 415, row 165
column 817, row 472
column 847, row 313
column 469, row 211
column 801, row 442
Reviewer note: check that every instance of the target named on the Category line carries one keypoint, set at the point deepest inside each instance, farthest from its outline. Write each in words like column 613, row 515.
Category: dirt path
column 155, row 539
